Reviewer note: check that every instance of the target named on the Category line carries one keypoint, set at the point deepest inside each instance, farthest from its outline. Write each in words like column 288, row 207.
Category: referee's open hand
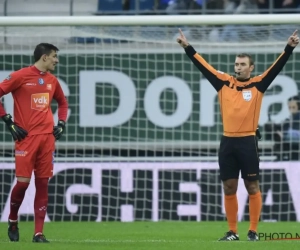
column 182, row 40
column 293, row 39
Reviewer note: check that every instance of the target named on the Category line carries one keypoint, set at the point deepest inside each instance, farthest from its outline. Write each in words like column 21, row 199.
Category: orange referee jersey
column 240, row 101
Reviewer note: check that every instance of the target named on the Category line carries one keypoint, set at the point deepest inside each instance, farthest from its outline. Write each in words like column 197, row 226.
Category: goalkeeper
column 240, row 99
column 34, row 133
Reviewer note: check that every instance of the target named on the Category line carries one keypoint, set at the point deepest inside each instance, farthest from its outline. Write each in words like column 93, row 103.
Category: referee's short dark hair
column 251, row 62
column 43, row 49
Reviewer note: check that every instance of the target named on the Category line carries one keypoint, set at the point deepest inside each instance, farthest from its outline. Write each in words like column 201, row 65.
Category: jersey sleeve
column 215, row 77
column 11, row 82
column 2, row 110
column 265, row 80
column 61, row 101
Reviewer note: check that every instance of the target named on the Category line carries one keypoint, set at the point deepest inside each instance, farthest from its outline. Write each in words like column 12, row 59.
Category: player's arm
column 265, row 80
column 2, row 110
column 9, row 84
column 62, row 111
column 216, row 78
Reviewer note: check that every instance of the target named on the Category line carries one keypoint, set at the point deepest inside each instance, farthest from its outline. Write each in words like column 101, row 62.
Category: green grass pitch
column 146, row 236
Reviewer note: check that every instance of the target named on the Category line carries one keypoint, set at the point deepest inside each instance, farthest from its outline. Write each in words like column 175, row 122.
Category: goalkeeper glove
column 59, row 129
column 17, row 132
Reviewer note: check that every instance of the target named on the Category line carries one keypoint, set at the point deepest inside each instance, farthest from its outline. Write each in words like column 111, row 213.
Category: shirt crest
column 247, row 95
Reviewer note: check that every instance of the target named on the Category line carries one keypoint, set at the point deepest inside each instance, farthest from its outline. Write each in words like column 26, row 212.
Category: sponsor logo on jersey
column 41, row 81
column 30, row 84
column 49, row 86
column 40, row 101
column 20, row 153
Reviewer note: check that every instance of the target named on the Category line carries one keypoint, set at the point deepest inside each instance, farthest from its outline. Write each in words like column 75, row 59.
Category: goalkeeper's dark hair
column 43, row 49
column 242, row 55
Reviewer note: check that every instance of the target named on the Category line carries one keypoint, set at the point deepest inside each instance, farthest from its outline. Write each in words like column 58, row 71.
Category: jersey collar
column 36, row 70
column 244, row 80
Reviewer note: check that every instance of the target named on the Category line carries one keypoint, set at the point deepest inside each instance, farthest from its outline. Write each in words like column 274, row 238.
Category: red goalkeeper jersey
column 33, row 91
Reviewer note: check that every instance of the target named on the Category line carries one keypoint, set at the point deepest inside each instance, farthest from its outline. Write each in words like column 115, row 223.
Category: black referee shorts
column 239, row 154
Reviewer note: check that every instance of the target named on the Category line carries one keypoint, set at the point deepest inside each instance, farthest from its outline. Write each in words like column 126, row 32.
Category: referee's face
column 242, row 68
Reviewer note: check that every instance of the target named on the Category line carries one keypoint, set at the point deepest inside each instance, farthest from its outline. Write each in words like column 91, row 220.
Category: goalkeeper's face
column 50, row 61
column 242, row 68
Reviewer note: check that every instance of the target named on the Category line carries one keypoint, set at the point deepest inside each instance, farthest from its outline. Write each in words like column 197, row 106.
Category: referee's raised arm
column 270, row 74
column 215, row 77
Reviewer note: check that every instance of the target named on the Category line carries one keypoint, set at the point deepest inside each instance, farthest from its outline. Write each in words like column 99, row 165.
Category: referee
column 240, row 99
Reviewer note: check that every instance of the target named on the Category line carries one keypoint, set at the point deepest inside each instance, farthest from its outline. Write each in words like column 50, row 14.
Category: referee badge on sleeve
column 247, row 95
